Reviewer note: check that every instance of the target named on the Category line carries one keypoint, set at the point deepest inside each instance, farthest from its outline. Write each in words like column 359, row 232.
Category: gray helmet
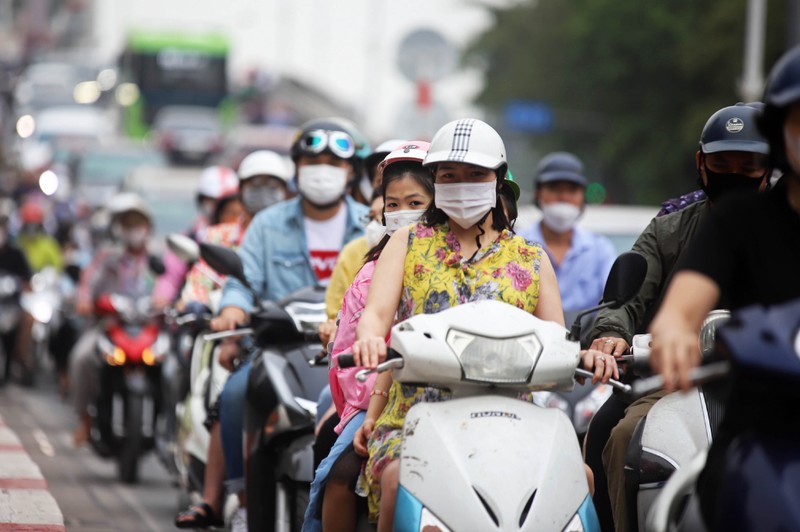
column 734, row 128
column 560, row 166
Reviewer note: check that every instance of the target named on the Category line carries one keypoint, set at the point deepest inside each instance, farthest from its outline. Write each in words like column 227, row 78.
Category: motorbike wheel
column 131, row 450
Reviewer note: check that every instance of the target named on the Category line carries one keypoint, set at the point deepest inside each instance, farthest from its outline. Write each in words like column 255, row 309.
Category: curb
column 25, row 503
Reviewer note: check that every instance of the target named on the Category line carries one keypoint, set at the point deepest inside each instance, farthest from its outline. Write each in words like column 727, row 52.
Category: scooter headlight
column 41, row 310
column 495, row 360
column 307, row 317
column 156, row 352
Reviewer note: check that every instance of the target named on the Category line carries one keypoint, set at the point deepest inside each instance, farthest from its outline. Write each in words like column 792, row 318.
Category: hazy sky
column 348, row 47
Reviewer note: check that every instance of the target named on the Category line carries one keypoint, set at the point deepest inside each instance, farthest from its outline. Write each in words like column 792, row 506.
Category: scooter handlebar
column 345, row 360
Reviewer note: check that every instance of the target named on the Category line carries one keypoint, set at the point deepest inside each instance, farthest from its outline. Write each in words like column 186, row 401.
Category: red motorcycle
column 130, row 348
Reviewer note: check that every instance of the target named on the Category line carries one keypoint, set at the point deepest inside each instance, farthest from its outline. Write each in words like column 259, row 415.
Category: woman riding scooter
column 462, row 251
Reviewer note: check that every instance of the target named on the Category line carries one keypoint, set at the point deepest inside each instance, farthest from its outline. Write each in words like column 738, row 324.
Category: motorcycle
column 282, row 393
column 10, row 314
column 453, row 473
column 677, row 427
column 193, row 379
column 755, row 481
column 130, row 349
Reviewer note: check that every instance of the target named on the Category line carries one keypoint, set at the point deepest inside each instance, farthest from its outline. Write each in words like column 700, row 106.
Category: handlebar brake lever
column 615, row 383
column 227, row 334
column 395, row 363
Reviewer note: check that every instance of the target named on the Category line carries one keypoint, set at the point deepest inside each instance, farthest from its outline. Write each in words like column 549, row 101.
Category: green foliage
column 631, row 83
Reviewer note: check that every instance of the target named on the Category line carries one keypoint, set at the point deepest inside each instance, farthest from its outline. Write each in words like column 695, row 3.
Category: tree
column 631, row 83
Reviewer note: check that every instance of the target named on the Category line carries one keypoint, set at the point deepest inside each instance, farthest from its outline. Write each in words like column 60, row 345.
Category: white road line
column 44, row 444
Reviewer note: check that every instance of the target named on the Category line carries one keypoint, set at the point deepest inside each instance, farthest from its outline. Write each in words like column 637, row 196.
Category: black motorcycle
column 282, row 393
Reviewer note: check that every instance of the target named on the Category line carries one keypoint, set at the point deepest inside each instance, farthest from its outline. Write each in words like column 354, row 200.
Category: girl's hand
column 603, row 365
column 369, row 352
column 361, row 437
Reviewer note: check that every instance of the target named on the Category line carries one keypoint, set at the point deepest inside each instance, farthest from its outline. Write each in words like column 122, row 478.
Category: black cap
column 782, row 88
column 734, row 128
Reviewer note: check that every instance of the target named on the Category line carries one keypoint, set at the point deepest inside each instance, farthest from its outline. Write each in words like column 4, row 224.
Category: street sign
column 425, row 55
column 528, row 116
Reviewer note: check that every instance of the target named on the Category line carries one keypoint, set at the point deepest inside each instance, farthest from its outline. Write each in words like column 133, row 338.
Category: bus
column 172, row 68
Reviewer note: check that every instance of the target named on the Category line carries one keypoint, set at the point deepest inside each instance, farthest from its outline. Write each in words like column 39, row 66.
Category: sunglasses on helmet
column 338, row 143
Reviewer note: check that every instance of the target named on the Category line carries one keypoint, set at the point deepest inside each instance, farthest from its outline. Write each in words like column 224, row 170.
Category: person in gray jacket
column 732, row 155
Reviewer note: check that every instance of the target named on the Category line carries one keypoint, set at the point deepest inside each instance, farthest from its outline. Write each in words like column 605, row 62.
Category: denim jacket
column 275, row 255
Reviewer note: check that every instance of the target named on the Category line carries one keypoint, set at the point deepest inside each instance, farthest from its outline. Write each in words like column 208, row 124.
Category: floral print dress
column 437, row 277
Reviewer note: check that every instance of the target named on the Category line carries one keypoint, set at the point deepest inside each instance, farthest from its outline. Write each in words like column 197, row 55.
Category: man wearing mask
column 732, row 156
column 581, row 259
column 289, row 246
column 124, row 269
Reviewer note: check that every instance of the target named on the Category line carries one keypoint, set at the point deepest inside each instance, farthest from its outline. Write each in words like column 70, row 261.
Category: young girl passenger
column 407, row 192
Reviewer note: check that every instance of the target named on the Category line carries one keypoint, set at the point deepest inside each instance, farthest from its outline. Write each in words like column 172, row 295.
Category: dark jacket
column 661, row 243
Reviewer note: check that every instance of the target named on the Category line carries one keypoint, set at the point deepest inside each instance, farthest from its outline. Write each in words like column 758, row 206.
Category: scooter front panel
column 488, row 463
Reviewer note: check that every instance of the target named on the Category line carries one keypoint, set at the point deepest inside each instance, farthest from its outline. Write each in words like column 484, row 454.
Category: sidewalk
column 25, row 502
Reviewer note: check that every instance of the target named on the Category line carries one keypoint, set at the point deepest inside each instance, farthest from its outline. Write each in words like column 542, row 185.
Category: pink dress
column 350, row 395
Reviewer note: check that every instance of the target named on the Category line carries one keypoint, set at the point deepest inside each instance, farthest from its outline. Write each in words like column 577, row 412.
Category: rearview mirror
column 224, row 260
column 625, row 279
column 183, row 247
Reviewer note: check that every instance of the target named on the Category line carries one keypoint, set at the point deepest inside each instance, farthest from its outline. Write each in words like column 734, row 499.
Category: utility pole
column 752, row 82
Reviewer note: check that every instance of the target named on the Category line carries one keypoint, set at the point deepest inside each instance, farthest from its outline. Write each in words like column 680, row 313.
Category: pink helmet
column 218, row 182
column 412, row 150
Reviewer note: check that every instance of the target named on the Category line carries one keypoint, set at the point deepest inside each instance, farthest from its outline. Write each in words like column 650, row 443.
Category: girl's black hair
column 220, row 206
column 396, row 172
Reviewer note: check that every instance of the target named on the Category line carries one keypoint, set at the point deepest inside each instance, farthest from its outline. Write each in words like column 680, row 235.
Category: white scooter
column 206, row 381
column 676, row 429
column 486, row 460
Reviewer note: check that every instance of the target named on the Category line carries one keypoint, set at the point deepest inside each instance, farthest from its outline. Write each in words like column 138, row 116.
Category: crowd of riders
column 418, row 226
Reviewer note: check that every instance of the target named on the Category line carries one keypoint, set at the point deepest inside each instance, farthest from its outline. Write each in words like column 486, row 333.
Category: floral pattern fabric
column 198, row 284
column 437, row 277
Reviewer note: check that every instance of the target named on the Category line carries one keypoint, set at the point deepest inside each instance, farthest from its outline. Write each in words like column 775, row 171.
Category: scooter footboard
column 502, row 463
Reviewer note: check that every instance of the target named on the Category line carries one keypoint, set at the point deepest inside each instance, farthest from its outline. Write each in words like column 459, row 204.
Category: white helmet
column 469, row 141
column 218, row 182
column 127, row 202
column 265, row 162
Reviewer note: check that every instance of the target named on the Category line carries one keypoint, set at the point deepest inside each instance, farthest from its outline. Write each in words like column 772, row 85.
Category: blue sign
column 528, row 116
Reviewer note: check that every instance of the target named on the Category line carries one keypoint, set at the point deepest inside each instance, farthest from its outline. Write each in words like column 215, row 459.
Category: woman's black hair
column 509, row 202
column 396, row 172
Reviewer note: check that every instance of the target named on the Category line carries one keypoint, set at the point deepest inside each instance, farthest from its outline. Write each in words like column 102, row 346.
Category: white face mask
column 792, row 150
column 560, row 216
column 374, row 232
column 466, row 203
column 134, row 238
column 258, row 197
column 321, row 184
column 399, row 219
